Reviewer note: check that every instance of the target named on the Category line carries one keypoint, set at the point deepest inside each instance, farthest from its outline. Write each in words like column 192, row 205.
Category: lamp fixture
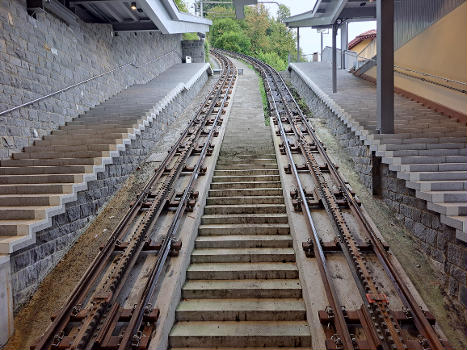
column 133, row 6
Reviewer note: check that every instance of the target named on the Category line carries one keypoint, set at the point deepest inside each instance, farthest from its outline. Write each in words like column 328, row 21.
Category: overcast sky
column 309, row 39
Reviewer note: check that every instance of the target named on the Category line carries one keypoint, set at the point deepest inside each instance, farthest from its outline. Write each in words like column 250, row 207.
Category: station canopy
column 125, row 15
column 325, row 13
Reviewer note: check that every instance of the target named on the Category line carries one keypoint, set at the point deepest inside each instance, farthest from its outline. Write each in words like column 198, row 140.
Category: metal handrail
column 358, row 58
column 84, row 82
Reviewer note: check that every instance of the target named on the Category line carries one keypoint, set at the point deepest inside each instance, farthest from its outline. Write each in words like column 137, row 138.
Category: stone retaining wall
column 29, row 266
column 41, row 54
column 195, row 49
column 435, row 239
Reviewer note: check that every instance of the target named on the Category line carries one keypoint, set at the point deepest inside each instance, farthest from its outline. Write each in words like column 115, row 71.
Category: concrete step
column 244, row 241
column 246, row 288
column 246, row 172
column 421, row 146
column 245, row 166
column 240, row 334
column 261, row 309
column 41, row 179
column 244, row 209
column 15, row 227
column 446, row 185
column 245, row 200
column 51, row 162
column 52, row 188
column 229, row 271
column 25, row 199
column 456, row 221
column 29, row 170
column 62, row 154
column 248, row 229
column 245, row 185
column 452, row 209
column 92, row 131
column 423, row 159
column 230, row 255
column 246, row 178
column 246, row 192
column 443, row 196
column 430, row 167
column 74, row 139
column 70, row 148
column 23, row 213
column 433, row 175
column 429, row 152
column 245, row 219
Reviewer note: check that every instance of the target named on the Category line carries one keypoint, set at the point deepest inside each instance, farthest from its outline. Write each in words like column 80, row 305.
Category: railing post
column 334, row 58
column 344, row 42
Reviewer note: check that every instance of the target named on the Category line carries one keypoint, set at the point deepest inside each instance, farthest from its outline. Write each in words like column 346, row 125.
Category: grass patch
column 301, row 103
column 264, row 98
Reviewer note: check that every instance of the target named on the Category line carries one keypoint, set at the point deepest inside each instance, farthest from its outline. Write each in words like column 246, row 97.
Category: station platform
column 428, row 149
column 52, row 190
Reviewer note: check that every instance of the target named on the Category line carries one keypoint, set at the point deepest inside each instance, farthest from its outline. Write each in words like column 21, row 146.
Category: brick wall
column 30, row 265
column 195, row 49
column 435, row 239
column 43, row 54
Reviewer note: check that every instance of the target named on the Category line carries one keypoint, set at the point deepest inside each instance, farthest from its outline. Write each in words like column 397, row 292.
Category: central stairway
column 242, row 288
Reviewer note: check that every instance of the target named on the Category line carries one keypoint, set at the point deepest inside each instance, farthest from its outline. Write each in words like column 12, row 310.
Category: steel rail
column 421, row 322
column 96, row 267
column 408, row 299
column 174, row 228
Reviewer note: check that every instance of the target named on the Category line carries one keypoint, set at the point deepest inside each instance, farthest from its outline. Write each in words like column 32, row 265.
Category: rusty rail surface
column 94, row 316
column 383, row 328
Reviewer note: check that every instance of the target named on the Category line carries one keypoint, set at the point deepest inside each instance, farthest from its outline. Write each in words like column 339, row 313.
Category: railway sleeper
column 336, row 247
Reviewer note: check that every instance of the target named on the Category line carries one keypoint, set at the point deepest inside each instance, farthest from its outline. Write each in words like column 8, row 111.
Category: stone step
column 231, row 255
column 52, row 188
column 23, row 213
column 246, row 192
column 429, row 152
column 70, row 148
column 420, row 146
column 246, row 178
column 244, row 209
column 229, row 271
column 25, row 199
column 446, row 185
column 426, row 159
column 240, row 334
column 429, row 140
column 248, row 229
column 245, row 166
column 245, row 200
column 246, row 172
column 41, row 179
column 73, row 139
column 420, row 134
column 443, row 196
column 61, row 154
column 29, row 170
column 112, row 124
column 251, row 161
column 452, row 209
column 246, row 288
column 260, row 309
column 245, row 219
column 255, row 156
column 92, row 131
column 456, row 221
column 245, row 185
column 244, row 241
column 50, row 162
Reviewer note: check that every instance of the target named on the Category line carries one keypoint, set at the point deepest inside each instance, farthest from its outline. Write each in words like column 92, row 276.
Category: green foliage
column 181, row 5
column 273, row 59
column 234, row 41
column 206, row 51
column 259, row 34
column 190, row 36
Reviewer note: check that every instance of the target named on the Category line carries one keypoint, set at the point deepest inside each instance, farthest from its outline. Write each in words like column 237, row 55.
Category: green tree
column 221, row 26
column 234, row 41
column 282, row 13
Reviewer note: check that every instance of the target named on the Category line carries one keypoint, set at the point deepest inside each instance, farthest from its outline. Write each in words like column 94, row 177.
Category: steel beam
column 334, row 59
column 385, row 66
column 344, row 42
column 298, row 44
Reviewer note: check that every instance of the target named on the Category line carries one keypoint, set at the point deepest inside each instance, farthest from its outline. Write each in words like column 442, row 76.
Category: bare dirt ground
column 450, row 316
column 33, row 319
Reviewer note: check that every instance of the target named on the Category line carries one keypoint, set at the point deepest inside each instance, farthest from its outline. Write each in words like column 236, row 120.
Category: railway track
column 112, row 306
column 376, row 325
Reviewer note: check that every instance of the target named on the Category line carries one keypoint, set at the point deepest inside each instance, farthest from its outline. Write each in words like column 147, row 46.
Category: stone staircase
column 242, row 288
column 36, row 184
column 428, row 150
